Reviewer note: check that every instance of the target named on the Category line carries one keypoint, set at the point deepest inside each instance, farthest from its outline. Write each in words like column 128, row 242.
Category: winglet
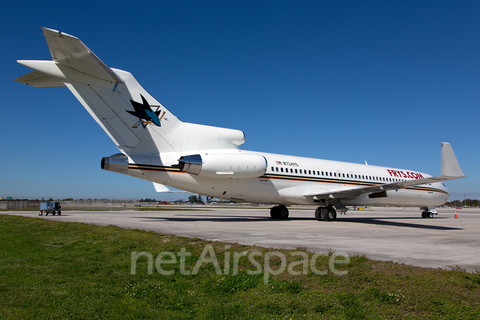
column 450, row 166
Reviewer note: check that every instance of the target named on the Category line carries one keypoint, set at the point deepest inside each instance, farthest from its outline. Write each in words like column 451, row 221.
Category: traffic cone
column 456, row 214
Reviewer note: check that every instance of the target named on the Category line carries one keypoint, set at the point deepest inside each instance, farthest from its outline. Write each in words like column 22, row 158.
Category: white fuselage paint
column 288, row 179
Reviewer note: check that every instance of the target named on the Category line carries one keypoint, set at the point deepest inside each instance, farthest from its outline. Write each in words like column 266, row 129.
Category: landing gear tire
column 325, row 214
column 318, row 213
column 427, row 214
column 329, row 214
column 332, row 214
column 279, row 212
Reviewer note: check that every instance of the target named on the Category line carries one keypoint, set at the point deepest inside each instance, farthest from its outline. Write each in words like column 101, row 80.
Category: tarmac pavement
column 396, row 234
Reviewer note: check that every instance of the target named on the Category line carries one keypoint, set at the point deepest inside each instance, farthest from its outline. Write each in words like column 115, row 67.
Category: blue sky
column 382, row 81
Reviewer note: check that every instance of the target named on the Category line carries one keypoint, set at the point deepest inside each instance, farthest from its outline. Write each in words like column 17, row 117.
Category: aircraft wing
column 450, row 171
column 162, row 188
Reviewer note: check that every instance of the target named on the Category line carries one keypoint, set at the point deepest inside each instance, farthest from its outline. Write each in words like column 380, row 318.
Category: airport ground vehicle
column 50, row 207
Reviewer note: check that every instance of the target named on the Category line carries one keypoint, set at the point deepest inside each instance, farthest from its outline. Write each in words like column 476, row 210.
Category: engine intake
column 224, row 165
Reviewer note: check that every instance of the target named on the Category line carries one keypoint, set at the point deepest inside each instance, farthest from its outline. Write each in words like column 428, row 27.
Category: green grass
column 57, row 270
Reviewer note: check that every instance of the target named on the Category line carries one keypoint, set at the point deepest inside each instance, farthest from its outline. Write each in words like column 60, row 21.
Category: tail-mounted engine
column 224, row 165
column 116, row 163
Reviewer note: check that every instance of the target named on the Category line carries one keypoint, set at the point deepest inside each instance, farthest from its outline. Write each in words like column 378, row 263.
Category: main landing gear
column 325, row 214
column 428, row 212
column 279, row 212
column 321, row 213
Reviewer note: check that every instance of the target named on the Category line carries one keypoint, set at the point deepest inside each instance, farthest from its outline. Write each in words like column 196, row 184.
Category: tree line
column 463, row 203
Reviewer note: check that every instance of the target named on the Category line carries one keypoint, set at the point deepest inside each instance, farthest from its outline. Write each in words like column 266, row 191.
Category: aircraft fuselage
column 290, row 179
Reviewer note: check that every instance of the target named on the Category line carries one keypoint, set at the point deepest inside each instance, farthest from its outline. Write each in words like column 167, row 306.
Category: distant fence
column 20, row 204
column 81, row 204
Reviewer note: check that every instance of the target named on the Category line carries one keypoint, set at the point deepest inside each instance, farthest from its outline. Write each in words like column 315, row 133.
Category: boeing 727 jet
column 207, row 160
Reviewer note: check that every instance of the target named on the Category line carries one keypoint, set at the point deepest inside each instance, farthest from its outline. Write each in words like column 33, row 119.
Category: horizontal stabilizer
column 40, row 80
column 70, row 51
column 73, row 62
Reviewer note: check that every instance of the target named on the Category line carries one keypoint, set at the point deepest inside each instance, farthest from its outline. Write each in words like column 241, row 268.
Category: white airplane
column 156, row 146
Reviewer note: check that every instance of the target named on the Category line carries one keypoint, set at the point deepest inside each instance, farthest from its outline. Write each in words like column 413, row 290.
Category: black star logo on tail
column 145, row 113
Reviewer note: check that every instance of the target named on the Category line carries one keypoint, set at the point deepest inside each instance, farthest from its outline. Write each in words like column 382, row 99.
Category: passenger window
column 296, row 171
column 281, row 169
column 276, row 169
column 309, row 171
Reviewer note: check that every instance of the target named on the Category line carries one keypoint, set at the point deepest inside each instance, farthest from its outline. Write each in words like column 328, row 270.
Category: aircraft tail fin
column 133, row 119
